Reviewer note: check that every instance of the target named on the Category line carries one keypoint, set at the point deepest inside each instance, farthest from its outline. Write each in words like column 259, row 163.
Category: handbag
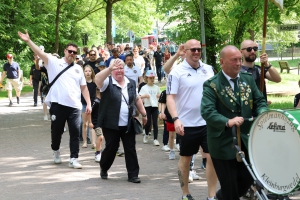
column 47, row 87
column 134, row 125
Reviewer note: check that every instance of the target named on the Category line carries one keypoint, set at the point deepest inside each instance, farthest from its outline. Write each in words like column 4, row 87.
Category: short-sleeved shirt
column 133, row 73
column 36, row 74
column 158, row 56
column 66, row 90
column 139, row 61
column 124, row 111
column 187, row 84
column 153, row 91
column 92, row 90
column 12, row 70
column 163, row 99
column 90, row 63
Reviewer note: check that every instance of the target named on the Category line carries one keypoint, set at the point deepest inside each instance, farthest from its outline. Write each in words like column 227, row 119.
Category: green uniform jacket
column 219, row 104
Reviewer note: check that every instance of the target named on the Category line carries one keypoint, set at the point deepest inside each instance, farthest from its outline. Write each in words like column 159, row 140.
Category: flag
column 278, row 3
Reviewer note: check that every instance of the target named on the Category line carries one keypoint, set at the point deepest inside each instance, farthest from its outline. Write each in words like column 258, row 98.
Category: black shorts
column 192, row 139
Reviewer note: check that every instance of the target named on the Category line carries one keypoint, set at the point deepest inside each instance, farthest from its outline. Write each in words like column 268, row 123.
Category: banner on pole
column 278, row 3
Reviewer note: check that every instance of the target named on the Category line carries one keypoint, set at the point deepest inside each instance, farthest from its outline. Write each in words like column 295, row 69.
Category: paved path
column 27, row 170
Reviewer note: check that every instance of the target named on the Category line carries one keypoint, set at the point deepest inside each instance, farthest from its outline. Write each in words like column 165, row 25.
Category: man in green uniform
column 228, row 98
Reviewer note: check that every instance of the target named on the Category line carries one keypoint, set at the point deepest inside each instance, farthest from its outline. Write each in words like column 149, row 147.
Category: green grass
column 3, row 93
column 281, row 102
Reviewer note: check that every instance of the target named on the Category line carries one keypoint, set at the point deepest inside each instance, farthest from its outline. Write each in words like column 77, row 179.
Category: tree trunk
column 251, row 34
column 109, row 4
column 239, row 33
column 57, row 27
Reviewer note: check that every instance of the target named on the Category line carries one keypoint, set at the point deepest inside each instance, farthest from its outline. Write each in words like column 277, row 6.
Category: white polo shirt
column 133, row 73
column 66, row 89
column 187, row 83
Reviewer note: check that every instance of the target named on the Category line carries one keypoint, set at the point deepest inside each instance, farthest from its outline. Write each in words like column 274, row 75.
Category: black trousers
column 152, row 114
column 35, row 84
column 59, row 114
column 112, row 139
column 234, row 178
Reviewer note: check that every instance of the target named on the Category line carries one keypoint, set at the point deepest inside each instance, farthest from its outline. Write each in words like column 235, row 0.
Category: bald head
column 248, row 43
column 190, row 43
column 226, row 50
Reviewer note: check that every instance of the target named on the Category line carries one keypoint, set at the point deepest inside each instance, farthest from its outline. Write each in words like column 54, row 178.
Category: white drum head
column 274, row 150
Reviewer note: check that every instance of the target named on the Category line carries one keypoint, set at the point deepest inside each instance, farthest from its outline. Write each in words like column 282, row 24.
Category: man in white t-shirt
column 132, row 71
column 184, row 94
column 64, row 97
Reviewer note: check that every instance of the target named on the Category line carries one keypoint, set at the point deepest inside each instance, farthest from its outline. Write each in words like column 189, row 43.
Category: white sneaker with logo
column 98, row 157
column 166, row 148
column 194, row 175
column 155, row 143
column 145, row 139
column 56, row 157
column 74, row 163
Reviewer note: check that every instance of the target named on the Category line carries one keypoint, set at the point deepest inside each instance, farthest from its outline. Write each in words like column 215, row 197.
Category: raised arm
column 169, row 64
column 25, row 37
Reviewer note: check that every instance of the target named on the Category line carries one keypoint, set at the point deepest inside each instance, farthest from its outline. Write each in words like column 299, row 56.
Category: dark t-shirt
column 92, row 90
column 158, row 56
column 44, row 77
column 90, row 63
column 11, row 70
column 296, row 99
column 36, row 74
column 163, row 99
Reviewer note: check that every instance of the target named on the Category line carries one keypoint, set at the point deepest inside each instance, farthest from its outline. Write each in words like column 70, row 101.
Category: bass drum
column 274, row 150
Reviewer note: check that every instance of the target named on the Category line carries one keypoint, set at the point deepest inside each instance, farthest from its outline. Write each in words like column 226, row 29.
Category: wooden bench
column 285, row 65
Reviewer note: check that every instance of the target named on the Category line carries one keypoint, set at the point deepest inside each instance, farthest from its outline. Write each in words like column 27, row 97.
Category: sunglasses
column 92, row 54
column 70, row 52
column 249, row 49
column 195, row 49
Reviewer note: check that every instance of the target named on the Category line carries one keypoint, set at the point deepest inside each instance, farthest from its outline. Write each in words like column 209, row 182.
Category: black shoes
column 134, row 180
column 103, row 174
column 18, row 100
column 35, row 104
column 10, row 104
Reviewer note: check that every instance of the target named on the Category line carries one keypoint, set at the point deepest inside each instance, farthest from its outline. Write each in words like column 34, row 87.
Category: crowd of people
column 100, row 92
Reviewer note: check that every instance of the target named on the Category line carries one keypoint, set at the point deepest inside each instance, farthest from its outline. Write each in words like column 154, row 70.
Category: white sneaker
column 56, row 157
column 155, row 143
column 74, row 163
column 45, row 118
column 65, row 129
column 190, row 177
column 166, row 148
column 172, row 155
column 98, row 157
column 177, row 147
column 194, row 175
column 145, row 139
column 144, row 132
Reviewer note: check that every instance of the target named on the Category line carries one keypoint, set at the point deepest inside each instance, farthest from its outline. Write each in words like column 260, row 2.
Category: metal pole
column 203, row 31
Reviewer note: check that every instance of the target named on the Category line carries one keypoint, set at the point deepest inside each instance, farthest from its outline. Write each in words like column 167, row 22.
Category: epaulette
column 212, row 78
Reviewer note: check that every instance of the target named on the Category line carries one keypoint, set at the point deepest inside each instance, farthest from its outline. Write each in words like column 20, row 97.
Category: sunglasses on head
column 70, row 51
column 249, row 49
column 195, row 49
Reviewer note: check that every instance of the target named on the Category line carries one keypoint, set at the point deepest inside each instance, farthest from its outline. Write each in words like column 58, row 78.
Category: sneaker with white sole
column 155, row 143
column 166, row 148
column 45, row 118
column 56, row 157
column 177, row 147
column 172, row 155
column 98, row 157
column 74, row 163
column 194, row 175
column 190, row 177
column 145, row 139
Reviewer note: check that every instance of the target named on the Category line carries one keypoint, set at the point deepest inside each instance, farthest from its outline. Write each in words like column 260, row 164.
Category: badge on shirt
column 134, row 71
column 76, row 70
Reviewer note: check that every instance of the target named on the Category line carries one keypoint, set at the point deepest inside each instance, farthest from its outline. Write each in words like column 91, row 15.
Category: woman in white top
column 138, row 60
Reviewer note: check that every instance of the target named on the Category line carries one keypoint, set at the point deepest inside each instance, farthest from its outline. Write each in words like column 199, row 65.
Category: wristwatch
column 267, row 68
column 174, row 119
